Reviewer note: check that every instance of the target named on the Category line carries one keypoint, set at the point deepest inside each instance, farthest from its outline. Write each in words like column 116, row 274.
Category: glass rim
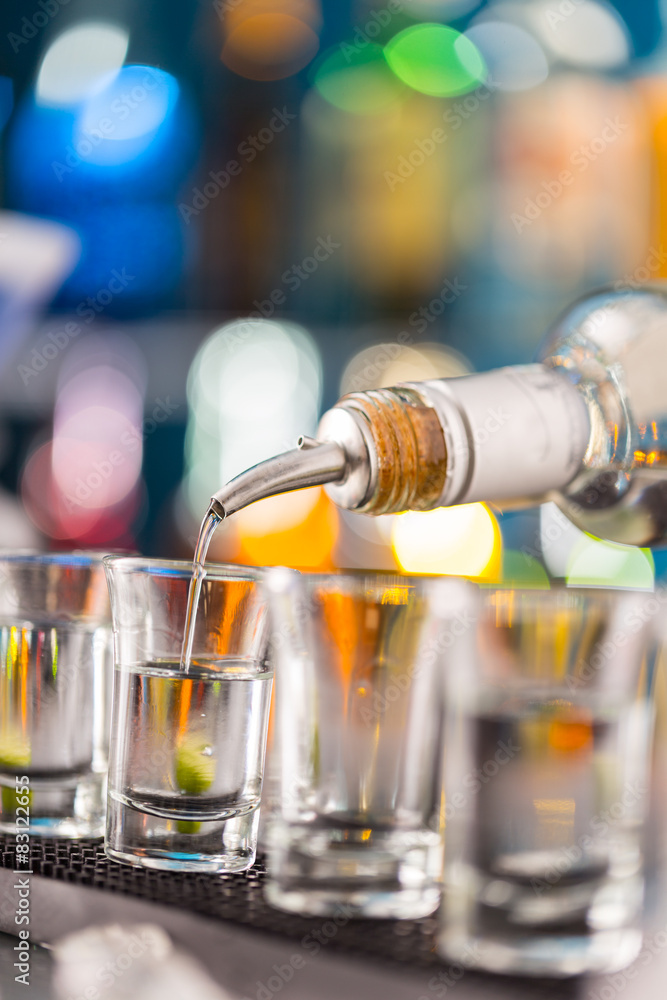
column 452, row 594
column 181, row 569
column 357, row 579
column 83, row 558
column 561, row 596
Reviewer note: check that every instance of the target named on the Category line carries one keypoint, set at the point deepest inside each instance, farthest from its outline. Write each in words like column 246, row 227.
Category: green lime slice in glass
column 14, row 756
column 194, row 773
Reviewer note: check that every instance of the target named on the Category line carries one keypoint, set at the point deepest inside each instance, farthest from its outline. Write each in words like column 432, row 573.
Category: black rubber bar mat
column 235, row 897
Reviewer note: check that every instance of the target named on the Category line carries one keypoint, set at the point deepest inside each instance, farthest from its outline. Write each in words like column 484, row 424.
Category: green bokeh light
column 596, row 563
column 436, row 60
column 522, row 570
column 357, row 81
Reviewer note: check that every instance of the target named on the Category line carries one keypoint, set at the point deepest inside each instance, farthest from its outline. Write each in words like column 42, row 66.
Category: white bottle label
column 513, row 433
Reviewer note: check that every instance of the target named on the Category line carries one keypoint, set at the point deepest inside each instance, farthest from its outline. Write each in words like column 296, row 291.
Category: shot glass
column 187, row 746
column 55, row 687
column 549, row 732
column 355, row 812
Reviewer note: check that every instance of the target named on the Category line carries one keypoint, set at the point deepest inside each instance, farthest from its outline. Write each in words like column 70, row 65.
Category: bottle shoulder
column 613, row 346
column 608, row 327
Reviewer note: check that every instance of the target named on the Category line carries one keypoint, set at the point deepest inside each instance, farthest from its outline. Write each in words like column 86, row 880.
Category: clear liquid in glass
column 193, row 760
column 55, row 688
column 551, row 862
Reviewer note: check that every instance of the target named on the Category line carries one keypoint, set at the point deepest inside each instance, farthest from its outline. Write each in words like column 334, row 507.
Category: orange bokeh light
column 307, row 544
column 237, row 11
column 571, row 735
column 269, row 46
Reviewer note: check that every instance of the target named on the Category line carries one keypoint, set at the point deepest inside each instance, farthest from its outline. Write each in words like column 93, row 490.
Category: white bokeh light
column 515, row 59
column 254, row 386
column 79, row 61
column 589, row 34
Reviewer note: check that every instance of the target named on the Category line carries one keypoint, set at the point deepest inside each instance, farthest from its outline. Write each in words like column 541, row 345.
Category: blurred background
column 219, row 215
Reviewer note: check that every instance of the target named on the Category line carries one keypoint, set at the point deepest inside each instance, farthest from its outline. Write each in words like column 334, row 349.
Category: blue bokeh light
column 110, row 167
column 130, row 254
column 119, row 124
column 105, row 149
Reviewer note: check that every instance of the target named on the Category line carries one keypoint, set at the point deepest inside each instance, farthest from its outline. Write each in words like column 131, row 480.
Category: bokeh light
column 589, row 34
column 134, row 138
column 110, row 166
column 298, row 529
column 270, row 39
column 148, row 238
column 387, row 364
column 96, row 436
column 84, row 484
column 35, row 255
column 63, row 518
column 461, row 541
column 365, row 542
column 238, row 11
column 558, row 538
column 254, row 387
column 436, row 60
column 584, row 561
column 596, row 563
column 81, row 59
column 515, row 59
column 85, row 451
column 521, row 570
column 358, row 80
column 121, row 120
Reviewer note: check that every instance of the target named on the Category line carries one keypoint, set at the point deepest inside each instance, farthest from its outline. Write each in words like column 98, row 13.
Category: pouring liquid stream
column 208, row 526
column 312, row 463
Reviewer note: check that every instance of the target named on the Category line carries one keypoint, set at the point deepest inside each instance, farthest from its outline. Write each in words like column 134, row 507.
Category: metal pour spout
column 312, row 463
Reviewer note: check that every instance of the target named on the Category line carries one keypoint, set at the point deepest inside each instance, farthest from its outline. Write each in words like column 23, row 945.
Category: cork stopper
column 405, row 439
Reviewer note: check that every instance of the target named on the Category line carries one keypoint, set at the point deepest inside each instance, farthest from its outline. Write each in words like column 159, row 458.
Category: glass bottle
column 585, row 426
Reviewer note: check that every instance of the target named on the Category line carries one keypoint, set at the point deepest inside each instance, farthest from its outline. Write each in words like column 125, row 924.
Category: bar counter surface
column 224, row 922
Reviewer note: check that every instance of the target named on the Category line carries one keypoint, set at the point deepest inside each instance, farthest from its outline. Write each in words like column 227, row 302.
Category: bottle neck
column 514, row 434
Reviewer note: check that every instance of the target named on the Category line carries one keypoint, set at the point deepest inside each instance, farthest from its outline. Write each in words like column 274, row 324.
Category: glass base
column 76, row 810
column 403, row 904
column 597, row 953
column 392, row 874
column 585, row 921
column 135, row 837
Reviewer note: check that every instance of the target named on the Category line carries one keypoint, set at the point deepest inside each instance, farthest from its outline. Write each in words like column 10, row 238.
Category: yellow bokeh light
column 455, row 541
column 297, row 529
column 387, row 364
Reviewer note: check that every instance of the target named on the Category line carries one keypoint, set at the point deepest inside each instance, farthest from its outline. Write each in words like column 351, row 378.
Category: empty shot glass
column 547, row 778
column 187, row 746
column 55, row 687
column 355, row 811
